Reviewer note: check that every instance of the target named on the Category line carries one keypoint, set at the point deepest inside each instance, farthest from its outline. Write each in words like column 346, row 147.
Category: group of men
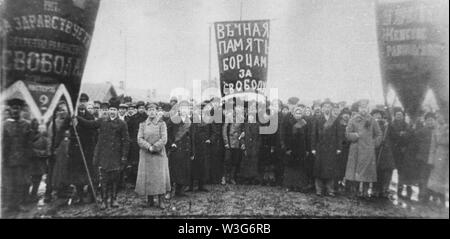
column 328, row 148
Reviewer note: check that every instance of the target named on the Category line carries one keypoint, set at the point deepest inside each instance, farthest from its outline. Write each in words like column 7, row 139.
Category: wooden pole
column 85, row 163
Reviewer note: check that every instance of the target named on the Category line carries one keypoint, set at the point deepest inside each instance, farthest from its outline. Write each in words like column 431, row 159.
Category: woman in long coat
column 153, row 178
column 365, row 134
column 438, row 182
column 296, row 143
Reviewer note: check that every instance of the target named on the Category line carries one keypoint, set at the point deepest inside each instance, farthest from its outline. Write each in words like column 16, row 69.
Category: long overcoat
column 153, row 177
column 113, row 142
column 365, row 135
column 182, row 135
column 439, row 160
column 326, row 140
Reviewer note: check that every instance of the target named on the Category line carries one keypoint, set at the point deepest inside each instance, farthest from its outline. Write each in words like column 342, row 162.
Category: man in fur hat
column 16, row 155
column 111, row 151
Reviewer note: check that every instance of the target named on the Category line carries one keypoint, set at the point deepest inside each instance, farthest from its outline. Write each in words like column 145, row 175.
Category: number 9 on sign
column 43, row 99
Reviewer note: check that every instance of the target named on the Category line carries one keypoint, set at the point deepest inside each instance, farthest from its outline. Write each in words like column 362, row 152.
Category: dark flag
column 242, row 48
column 413, row 43
column 44, row 46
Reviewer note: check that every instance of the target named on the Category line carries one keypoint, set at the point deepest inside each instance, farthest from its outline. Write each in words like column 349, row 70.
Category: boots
column 201, row 187
column 191, row 187
column 104, row 195
column 113, row 202
column 34, row 188
column 161, row 205
column 409, row 192
column 179, row 191
column 150, row 202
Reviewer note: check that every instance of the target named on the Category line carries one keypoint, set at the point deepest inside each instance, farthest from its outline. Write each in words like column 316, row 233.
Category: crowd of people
column 168, row 149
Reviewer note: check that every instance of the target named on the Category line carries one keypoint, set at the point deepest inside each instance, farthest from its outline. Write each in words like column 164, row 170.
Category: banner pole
column 85, row 163
column 240, row 15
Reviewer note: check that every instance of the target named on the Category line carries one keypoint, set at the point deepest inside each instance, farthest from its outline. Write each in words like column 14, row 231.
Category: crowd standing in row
column 164, row 150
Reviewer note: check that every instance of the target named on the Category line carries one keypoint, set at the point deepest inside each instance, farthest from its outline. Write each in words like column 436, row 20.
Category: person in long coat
column 216, row 169
column 153, row 177
column 181, row 134
column 16, row 156
column 133, row 154
column 416, row 166
column 77, row 173
column 326, row 144
column 200, row 164
column 57, row 165
column 252, row 142
column 40, row 154
column 365, row 134
column 343, row 120
column 400, row 136
column 438, row 181
column 233, row 134
column 385, row 160
column 296, row 143
column 111, row 151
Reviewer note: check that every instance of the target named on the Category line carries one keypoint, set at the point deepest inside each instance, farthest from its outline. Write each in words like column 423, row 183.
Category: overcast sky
column 318, row 48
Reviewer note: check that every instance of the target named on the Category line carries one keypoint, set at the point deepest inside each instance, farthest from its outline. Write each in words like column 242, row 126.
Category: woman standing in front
column 153, row 178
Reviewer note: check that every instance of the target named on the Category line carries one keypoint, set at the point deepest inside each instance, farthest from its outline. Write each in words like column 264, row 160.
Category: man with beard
column 133, row 154
column 16, row 156
column 111, row 151
column 326, row 145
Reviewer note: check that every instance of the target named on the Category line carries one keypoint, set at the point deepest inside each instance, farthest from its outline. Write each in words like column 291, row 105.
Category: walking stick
column 85, row 163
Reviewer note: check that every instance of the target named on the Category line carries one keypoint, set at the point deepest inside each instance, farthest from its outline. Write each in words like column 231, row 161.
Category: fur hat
column 151, row 105
column 84, row 97
column 114, row 103
column 104, row 105
column 379, row 111
column 140, row 103
column 327, row 101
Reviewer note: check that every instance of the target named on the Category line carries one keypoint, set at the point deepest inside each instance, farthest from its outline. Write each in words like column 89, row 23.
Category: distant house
column 99, row 91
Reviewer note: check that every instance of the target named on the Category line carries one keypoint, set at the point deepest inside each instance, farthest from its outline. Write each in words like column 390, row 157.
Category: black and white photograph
column 224, row 109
